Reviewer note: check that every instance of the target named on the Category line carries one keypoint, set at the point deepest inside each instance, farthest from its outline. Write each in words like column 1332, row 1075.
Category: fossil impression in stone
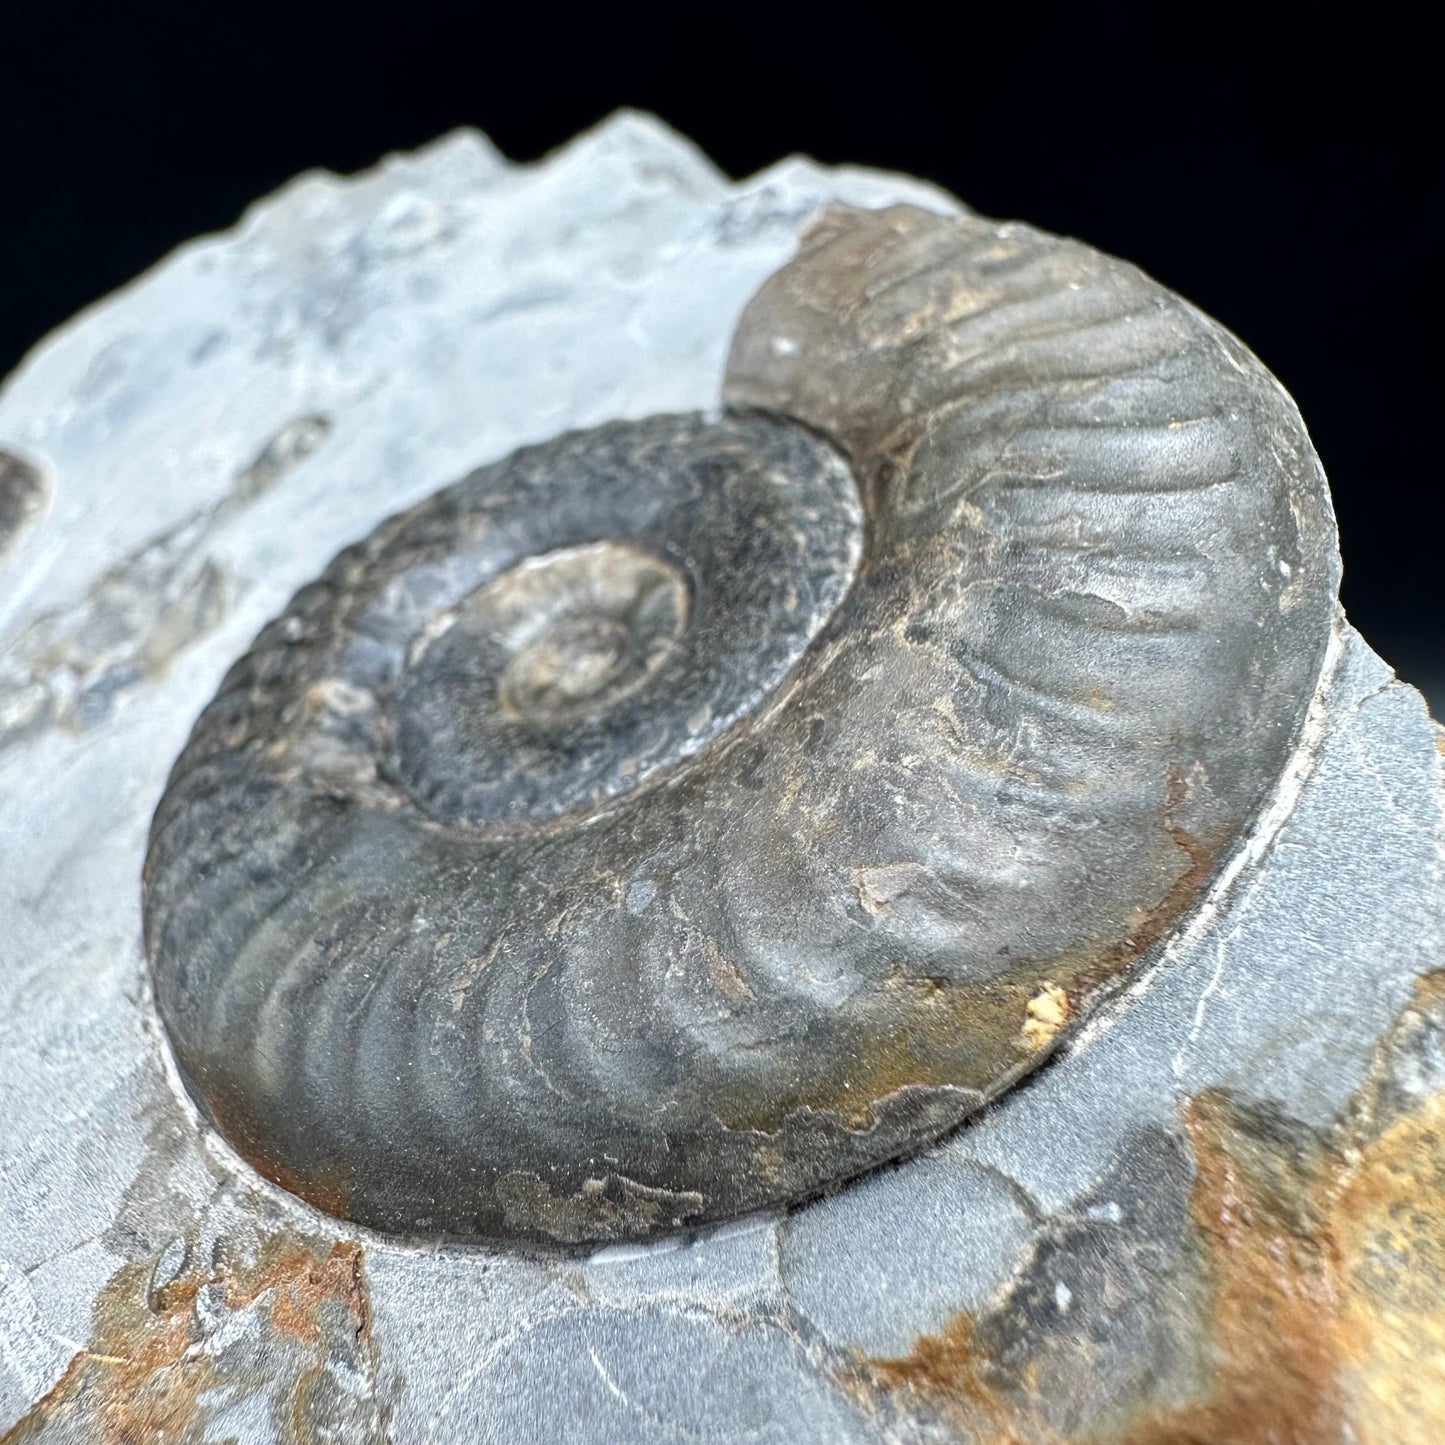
column 680, row 817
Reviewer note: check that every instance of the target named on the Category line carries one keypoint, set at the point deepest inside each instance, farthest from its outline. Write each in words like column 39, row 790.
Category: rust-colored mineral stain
column 1325, row 1261
column 127, row 1389
column 1388, row 1215
column 141, row 1380
column 950, row 1372
column 1329, row 1324
column 1155, row 922
column 1392, row 1252
column 944, row 1363
column 303, row 1282
column 325, row 1189
column 1275, row 1327
column 1151, row 924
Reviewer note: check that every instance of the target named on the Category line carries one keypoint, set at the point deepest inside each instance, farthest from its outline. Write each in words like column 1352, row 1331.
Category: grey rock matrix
column 179, row 461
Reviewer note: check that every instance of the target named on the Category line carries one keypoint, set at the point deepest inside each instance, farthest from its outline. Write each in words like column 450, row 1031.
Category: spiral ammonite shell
column 680, row 817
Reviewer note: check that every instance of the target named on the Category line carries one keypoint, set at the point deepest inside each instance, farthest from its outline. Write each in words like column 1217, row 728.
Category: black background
column 1290, row 187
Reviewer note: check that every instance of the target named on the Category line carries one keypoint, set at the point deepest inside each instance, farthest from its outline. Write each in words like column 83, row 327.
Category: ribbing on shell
column 681, row 817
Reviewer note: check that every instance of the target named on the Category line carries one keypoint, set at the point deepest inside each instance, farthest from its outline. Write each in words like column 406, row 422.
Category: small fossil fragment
column 22, row 489
column 70, row 665
column 683, row 816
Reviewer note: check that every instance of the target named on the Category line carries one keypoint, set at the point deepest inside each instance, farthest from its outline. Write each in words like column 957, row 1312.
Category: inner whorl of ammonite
column 577, row 629
column 578, row 672
column 679, row 818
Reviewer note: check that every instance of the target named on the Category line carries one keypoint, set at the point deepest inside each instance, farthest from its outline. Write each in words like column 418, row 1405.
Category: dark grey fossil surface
column 679, row 817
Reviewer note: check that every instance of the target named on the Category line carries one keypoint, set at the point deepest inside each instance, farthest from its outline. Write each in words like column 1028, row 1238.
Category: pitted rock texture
column 1283, row 1053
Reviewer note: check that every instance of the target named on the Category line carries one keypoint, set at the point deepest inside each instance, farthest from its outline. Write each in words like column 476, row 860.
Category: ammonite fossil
column 680, row 817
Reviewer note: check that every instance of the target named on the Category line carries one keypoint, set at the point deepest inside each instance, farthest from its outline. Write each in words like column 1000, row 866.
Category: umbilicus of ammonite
column 681, row 817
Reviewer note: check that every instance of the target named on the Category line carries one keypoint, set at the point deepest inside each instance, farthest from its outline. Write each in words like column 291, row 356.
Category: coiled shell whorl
column 680, row 817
